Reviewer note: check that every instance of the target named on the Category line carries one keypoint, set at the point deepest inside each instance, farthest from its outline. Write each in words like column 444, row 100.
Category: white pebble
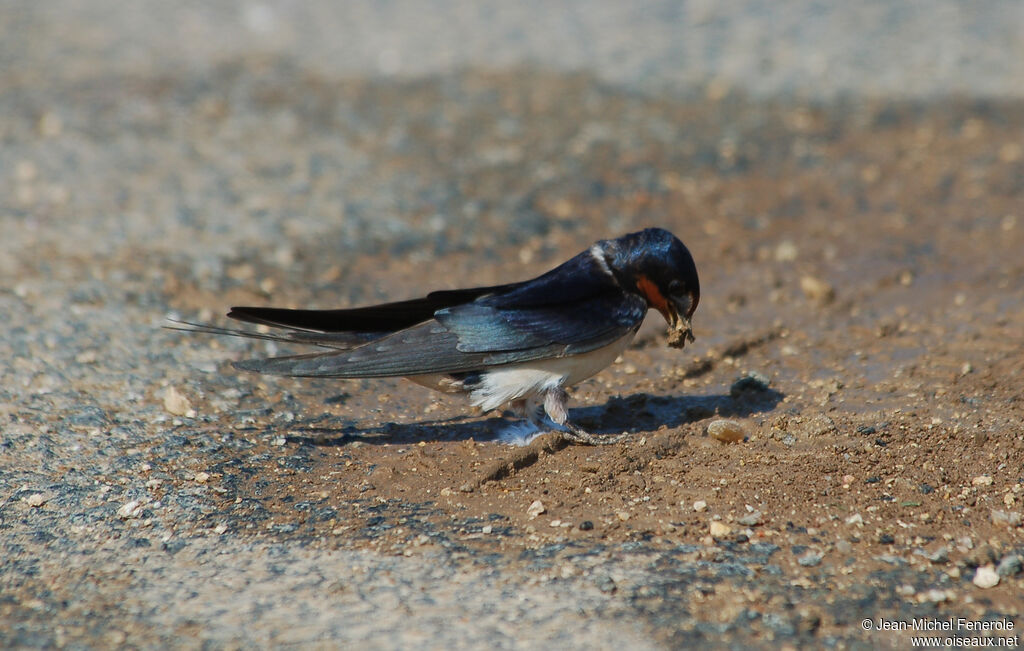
column 751, row 519
column 817, row 289
column 36, row 500
column 536, row 508
column 130, row 509
column 786, row 251
column 177, row 403
column 726, row 431
column 719, row 529
column 986, row 577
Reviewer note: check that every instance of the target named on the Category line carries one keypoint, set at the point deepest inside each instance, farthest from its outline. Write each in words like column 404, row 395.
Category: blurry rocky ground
column 849, row 180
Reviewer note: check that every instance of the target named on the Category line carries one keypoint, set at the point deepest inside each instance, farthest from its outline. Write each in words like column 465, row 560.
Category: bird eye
column 675, row 288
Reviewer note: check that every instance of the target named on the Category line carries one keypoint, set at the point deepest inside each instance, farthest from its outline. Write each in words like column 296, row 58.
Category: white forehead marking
column 602, row 261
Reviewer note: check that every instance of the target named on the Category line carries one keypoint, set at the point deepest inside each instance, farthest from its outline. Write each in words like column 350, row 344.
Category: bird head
column 656, row 265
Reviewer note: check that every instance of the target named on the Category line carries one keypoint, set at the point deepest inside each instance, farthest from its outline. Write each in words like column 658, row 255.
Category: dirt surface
column 861, row 323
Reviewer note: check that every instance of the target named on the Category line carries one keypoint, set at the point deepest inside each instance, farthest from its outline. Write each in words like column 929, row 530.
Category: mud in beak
column 680, row 330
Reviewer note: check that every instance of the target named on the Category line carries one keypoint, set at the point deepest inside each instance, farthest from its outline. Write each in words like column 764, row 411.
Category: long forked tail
column 380, row 319
column 334, row 340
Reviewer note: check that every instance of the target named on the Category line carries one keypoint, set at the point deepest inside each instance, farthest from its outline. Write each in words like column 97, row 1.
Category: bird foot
column 576, row 435
column 555, row 406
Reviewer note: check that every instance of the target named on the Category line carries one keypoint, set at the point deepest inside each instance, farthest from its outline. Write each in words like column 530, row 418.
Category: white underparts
column 515, row 381
column 505, row 385
column 502, row 384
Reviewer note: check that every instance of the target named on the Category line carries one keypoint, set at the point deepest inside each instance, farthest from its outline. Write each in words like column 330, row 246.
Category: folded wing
column 474, row 336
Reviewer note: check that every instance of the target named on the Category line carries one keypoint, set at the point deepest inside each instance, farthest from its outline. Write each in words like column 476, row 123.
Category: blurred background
column 265, row 144
column 812, row 48
column 280, row 132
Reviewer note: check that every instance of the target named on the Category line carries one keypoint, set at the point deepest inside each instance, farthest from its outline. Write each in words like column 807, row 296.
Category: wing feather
column 473, row 338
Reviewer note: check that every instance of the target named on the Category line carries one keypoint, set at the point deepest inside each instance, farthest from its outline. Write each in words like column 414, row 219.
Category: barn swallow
column 520, row 343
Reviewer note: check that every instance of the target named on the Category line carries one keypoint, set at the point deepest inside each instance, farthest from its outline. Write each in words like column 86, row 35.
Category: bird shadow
column 638, row 413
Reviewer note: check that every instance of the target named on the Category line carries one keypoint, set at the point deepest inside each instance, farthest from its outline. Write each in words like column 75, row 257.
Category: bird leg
column 556, row 404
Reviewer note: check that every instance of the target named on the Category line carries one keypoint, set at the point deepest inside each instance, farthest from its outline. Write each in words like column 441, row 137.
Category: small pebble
column 751, row 383
column 751, row 519
column 201, row 477
column 130, row 509
column 986, row 577
column 817, row 290
column 1010, row 565
column 719, row 529
column 586, row 525
column 36, row 500
column 622, row 515
column 177, row 403
column 1007, row 518
column 786, row 251
column 726, row 431
column 939, row 555
column 981, row 480
column 935, row 596
column 486, row 529
column 535, row 509
column 606, row 584
column 810, row 558
column 700, row 506
column 86, row 357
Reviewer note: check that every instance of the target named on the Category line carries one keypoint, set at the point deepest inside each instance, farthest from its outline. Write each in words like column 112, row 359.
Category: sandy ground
column 861, row 322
